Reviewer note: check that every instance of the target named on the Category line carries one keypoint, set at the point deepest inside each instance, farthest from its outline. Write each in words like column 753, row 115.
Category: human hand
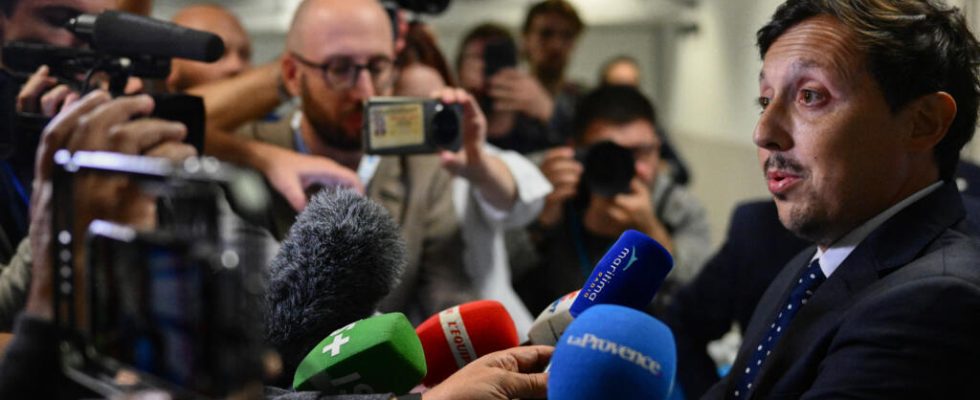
column 506, row 374
column 95, row 123
column 632, row 210
column 291, row 173
column 564, row 172
column 42, row 94
column 514, row 90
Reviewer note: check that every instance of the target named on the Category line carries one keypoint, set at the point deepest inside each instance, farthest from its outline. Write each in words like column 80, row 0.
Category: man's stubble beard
column 330, row 132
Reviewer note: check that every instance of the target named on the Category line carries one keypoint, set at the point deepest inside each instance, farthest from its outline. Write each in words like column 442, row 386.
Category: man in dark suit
column 727, row 290
column 865, row 107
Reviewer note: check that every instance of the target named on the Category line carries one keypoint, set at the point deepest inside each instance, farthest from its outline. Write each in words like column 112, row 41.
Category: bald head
column 350, row 21
column 238, row 48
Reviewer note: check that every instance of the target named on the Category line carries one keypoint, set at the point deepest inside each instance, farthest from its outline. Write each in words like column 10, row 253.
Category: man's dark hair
column 616, row 104
column 559, row 7
column 485, row 32
column 912, row 48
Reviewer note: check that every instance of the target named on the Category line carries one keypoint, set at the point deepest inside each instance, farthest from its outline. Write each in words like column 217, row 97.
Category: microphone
column 126, row 34
column 629, row 274
column 458, row 335
column 380, row 354
column 613, row 352
column 343, row 255
column 551, row 323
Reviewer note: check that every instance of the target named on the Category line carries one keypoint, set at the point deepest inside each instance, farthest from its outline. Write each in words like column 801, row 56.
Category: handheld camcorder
column 608, row 168
column 410, row 125
column 175, row 308
column 121, row 45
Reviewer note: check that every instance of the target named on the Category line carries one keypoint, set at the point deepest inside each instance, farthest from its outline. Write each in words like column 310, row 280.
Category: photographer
column 587, row 219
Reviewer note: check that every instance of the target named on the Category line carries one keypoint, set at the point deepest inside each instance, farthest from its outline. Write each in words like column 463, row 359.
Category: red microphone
column 458, row 335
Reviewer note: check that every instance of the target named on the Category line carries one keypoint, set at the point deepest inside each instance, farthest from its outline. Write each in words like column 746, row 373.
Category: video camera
column 410, row 125
column 608, row 168
column 175, row 309
column 121, row 45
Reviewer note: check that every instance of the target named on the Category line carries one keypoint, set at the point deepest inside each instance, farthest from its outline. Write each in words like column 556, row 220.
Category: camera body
column 608, row 168
column 410, row 125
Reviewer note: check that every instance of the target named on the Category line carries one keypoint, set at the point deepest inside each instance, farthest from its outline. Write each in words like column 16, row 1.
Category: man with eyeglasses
column 338, row 54
column 577, row 224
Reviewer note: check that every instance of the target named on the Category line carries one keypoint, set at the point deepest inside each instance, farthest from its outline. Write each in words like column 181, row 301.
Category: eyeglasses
column 341, row 73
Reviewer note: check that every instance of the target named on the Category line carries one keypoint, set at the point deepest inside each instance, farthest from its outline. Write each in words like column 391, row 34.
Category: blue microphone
column 629, row 274
column 613, row 352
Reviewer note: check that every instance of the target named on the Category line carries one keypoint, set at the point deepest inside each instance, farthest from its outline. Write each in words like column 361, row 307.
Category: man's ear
column 932, row 115
column 289, row 73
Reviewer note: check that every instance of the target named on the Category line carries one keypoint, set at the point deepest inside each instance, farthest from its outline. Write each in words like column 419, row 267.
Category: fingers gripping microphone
column 459, row 335
column 613, row 352
column 126, row 34
column 341, row 257
column 629, row 274
column 380, row 354
column 551, row 323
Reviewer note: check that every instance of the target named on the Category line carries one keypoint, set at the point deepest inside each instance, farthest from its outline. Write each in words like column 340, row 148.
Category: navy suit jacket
column 727, row 290
column 899, row 318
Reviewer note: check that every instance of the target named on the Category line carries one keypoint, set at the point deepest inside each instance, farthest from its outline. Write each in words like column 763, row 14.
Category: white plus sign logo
column 334, row 346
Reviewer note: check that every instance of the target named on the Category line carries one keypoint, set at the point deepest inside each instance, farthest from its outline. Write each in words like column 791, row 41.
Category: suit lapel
column 895, row 243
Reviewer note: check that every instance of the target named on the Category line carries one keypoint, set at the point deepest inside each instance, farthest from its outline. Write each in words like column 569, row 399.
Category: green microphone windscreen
column 380, row 354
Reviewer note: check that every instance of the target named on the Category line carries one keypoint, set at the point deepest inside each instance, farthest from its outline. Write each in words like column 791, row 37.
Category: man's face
column 236, row 59
column 827, row 141
column 359, row 36
column 471, row 67
column 43, row 21
column 549, row 42
column 638, row 136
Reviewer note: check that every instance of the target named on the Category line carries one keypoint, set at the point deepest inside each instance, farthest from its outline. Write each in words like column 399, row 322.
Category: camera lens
column 609, row 168
column 446, row 126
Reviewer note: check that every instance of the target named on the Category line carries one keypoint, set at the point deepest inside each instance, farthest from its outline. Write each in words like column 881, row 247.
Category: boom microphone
column 340, row 258
column 380, row 354
column 125, row 34
column 613, row 352
column 461, row 334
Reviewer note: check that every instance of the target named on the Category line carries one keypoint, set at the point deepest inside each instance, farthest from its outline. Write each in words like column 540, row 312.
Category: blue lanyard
column 16, row 181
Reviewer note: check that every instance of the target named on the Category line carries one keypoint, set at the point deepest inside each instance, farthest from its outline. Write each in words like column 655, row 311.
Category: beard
column 330, row 131
column 803, row 218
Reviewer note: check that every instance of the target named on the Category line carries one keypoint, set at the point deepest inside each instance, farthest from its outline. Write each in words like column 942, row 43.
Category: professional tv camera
column 174, row 309
column 121, row 45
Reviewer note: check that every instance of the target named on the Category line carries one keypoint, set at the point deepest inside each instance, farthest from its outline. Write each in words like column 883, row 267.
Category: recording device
column 456, row 336
column 125, row 34
column 411, row 125
column 608, row 168
column 174, row 308
column 629, row 274
column 375, row 355
column 342, row 256
column 613, row 352
column 551, row 323
column 498, row 54
column 122, row 45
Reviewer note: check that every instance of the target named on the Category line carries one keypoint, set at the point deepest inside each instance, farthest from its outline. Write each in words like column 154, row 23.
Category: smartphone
column 411, row 125
column 498, row 54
